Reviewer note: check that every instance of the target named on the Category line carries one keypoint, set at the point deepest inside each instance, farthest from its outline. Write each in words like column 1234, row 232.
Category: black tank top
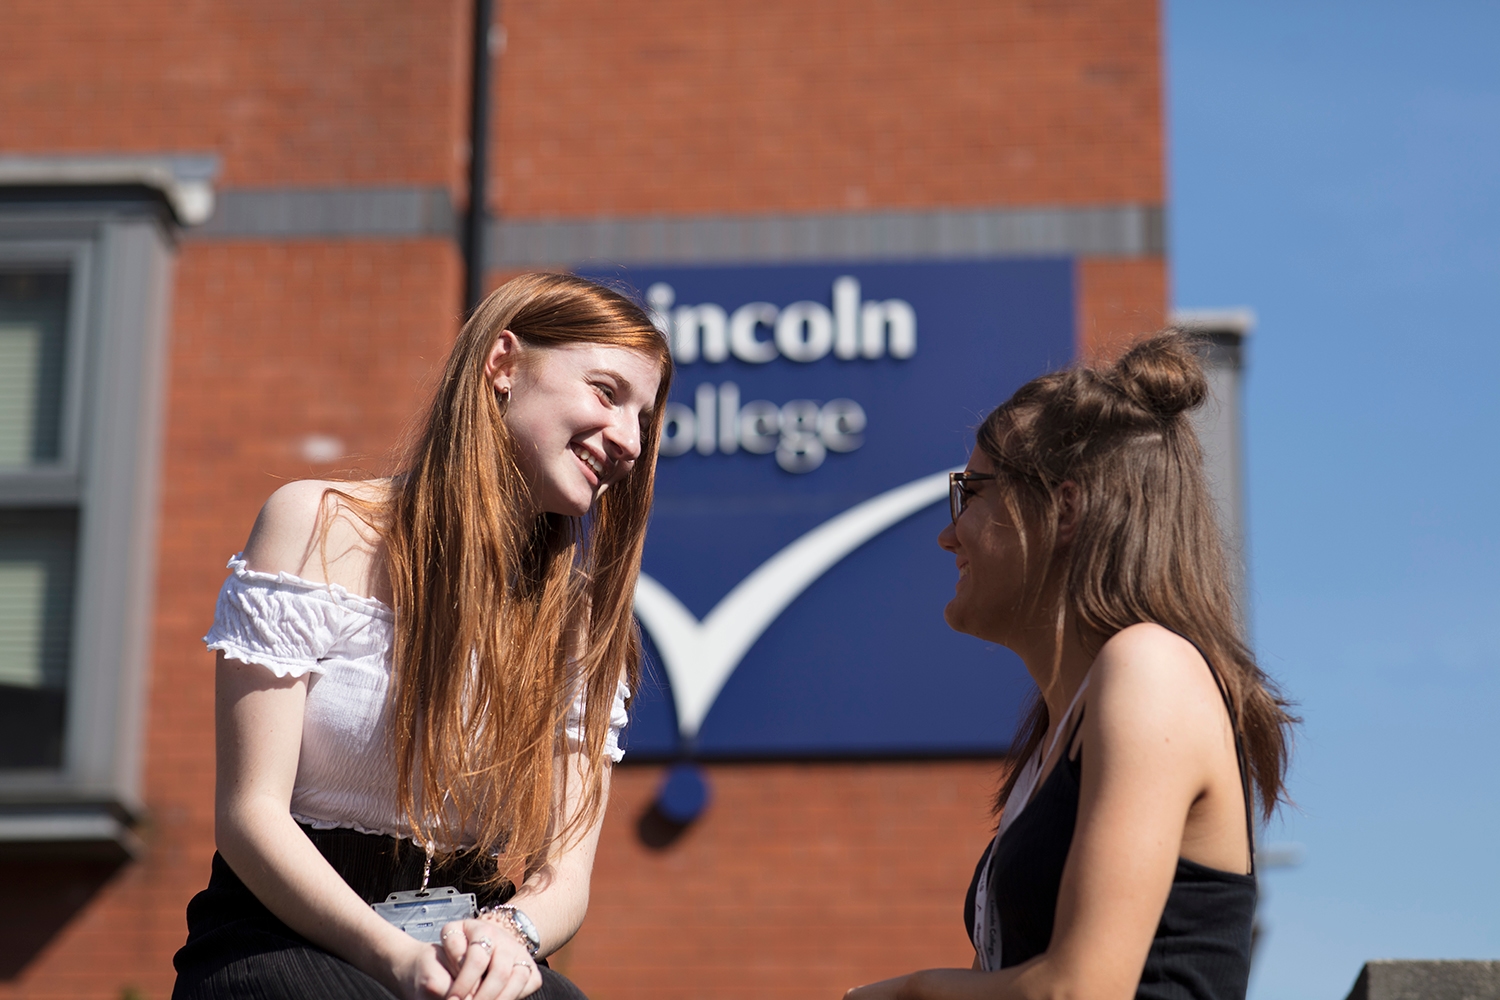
column 1201, row 950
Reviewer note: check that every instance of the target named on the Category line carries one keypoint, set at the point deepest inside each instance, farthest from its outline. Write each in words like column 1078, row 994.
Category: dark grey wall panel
column 330, row 213
column 1106, row 231
column 396, row 212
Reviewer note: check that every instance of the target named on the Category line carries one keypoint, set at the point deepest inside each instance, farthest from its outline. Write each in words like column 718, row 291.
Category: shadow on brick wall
column 40, row 892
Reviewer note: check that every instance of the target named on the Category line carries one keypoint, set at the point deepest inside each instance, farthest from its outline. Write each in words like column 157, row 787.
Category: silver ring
column 452, row 930
column 484, row 943
column 526, row 964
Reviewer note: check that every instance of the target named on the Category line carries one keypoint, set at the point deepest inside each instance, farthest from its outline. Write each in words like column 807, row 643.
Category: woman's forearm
column 556, row 897
column 263, row 845
column 935, row 984
column 1033, row 980
column 556, row 903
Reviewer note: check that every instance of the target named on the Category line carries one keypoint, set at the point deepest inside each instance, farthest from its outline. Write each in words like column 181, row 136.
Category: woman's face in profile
column 987, row 551
column 577, row 414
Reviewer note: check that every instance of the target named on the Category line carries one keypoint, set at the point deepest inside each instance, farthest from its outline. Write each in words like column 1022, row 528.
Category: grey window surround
column 1224, row 333
column 184, row 181
column 120, row 256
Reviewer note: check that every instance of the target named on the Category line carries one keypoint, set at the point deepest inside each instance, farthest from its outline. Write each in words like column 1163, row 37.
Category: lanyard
column 986, row 921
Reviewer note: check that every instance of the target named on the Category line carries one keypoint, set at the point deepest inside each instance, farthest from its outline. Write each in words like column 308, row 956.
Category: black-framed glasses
column 959, row 492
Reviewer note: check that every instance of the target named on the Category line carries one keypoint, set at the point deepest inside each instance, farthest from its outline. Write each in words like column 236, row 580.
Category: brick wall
column 802, row 878
column 1117, row 301
column 287, row 92
column 799, row 881
column 782, row 105
column 609, row 109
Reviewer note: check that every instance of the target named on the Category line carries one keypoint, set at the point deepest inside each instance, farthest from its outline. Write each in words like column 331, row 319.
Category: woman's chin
column 567, row 505
column 961, row 618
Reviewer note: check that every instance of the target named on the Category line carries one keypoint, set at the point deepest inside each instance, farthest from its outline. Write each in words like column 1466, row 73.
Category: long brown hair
column 502, row 612
column 1148, row 545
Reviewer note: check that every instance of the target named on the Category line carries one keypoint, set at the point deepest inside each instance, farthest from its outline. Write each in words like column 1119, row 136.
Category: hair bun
column 1162, row 374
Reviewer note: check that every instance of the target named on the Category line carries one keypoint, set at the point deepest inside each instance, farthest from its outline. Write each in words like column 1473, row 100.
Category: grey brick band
column 1109, row 231
column 412, row 212
column 330, row 213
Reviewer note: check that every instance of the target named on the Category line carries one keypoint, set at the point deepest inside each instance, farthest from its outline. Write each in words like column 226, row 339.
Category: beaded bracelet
column 519, row 924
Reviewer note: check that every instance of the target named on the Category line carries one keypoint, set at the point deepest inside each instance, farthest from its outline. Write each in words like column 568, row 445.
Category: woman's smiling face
column 989, row 594
column 577, row 414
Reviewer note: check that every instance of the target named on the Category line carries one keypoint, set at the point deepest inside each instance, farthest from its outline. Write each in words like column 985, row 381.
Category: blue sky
column 1336, row 166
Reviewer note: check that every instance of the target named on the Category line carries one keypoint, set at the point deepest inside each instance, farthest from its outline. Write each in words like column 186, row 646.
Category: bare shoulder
column 1149, row 680
column 309, row 528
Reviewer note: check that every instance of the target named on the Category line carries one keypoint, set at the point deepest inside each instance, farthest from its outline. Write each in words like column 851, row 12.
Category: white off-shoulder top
column 346, row 774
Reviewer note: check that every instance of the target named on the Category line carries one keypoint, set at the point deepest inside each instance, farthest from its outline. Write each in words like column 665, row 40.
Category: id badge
column 423, row 914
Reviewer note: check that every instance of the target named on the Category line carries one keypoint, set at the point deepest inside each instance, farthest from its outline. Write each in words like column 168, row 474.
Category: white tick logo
column 700, row 656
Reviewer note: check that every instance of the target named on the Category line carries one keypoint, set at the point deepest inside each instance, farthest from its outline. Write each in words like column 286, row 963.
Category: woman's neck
column 1058, row 660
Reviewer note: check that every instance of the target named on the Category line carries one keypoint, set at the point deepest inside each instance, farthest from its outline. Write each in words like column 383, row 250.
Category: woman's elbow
column 240, row 825
column 230, row 834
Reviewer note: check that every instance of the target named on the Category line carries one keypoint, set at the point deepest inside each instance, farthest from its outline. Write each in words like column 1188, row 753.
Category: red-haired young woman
column 433, row 669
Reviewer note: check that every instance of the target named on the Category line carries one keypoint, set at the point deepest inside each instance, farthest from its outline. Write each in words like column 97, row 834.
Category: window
column 37, row 545
column 83, row 292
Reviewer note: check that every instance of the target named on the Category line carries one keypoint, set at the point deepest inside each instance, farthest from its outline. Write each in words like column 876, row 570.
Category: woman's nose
column 624, row 437
column 948, row 539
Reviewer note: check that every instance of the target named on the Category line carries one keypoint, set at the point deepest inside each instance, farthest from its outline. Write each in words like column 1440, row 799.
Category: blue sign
column 792, row 590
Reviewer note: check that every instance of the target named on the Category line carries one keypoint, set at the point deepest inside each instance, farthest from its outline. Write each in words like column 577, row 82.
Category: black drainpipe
column 479, row 145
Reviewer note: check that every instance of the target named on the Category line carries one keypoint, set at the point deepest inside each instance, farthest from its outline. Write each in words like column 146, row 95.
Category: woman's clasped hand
column 489, row 962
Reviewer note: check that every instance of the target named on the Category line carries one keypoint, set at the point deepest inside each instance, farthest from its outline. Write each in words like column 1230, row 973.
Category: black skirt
column 239, row 950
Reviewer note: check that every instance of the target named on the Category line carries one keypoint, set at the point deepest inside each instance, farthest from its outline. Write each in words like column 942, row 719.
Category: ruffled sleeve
column 618, row 718
column 278, row 621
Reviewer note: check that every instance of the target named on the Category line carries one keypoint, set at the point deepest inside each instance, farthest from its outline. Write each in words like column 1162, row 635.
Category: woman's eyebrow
column 624, row 382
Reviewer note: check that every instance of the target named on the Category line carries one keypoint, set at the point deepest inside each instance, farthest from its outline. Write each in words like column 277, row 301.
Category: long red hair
column 502, row 613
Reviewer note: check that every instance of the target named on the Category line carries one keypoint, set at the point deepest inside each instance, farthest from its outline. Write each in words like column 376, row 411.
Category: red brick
column 287, row 92
column 1118, row 300
column 800, row 880
column 780, row 105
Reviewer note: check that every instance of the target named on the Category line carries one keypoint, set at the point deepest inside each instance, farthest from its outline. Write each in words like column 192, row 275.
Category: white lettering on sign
column 743, row 342
column 759, row 332
column 801, row 432
column 704, row 325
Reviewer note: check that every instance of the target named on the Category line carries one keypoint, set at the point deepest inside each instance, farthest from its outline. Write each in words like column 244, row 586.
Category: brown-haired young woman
column 1086, row 541
column 435, row 666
